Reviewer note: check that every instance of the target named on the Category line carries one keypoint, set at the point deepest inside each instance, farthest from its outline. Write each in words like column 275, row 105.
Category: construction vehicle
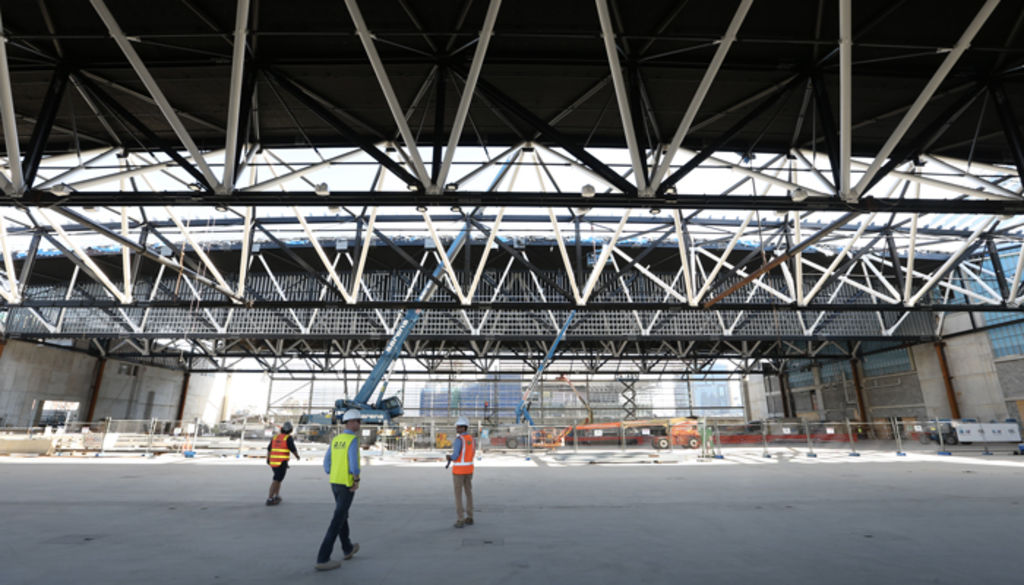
column 385, row 409
column 659, row 433
column 315, row 427
column 547, row 438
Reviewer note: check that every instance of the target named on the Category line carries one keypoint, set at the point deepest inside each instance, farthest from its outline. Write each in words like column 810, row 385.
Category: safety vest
column 464, row 464
column 279, row 452
column 339, row 459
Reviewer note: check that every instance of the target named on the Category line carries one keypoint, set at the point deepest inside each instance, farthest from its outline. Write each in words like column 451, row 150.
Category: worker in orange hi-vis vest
column 278, row 452
column 461, row 461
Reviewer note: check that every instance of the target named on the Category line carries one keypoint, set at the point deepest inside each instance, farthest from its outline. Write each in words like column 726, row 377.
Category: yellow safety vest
column 279, row 450
column 339, row 459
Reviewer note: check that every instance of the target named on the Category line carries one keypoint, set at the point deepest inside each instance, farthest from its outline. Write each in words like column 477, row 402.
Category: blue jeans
column 339, row 524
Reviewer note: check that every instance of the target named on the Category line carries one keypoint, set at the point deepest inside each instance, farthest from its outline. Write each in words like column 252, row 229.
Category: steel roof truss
column 966, row 247
column 277, row 286
column 975, row 275
column 44, row 123
column 16, row 185
column 1013, row 299
column 231, row 135
column 467, row 93
column 972, row 176
column 952, row 56
column 628, row 127
column 154, row 90
column 77, row 251
column 367, row 39
column 12, row 294
column 724, row 44
column 844, row 279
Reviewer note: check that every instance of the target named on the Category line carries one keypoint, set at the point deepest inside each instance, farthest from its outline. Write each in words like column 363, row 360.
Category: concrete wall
column 985, row 388
column 757, row 400
column 1011, row 377
column 897, row 395
column 30, row 372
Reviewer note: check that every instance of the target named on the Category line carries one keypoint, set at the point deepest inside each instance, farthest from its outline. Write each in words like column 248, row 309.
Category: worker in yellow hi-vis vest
column 341, row 463
column 280, row 449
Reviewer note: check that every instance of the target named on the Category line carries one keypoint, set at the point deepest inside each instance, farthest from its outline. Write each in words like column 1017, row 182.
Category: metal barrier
column 682, row 437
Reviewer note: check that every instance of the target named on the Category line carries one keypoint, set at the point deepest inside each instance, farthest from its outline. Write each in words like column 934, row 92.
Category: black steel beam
column 766, row 104
column 828, row 125
column 868, row 204
column 927, row 136
column 134, row 246
column 997, row 267
column 122, row 112
column 894, row 257
column 525, row 262
column 344, row 129
column 439, row 95
column 1010, row 127
column 299, row 261
column 547, row 131
column 44, row 123
column 245, row 117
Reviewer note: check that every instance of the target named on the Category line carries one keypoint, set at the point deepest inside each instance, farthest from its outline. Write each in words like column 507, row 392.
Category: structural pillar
column 787, row 412
column 94, row 391
column 745, row 390
column 954, row 407
column 184, row 395
column 862, row 412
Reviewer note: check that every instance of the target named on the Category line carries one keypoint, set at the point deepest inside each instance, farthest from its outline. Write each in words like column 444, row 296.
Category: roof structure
column 271, row 185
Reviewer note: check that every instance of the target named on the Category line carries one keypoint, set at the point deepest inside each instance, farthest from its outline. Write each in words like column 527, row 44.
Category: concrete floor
column 551, row 519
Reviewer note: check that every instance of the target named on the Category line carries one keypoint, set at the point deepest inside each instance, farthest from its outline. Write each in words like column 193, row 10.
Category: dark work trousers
column 339, row 524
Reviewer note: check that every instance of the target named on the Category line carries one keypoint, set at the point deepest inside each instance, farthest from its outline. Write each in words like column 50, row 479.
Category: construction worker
column 341, row 463
column 278, row 452
column 461, row 461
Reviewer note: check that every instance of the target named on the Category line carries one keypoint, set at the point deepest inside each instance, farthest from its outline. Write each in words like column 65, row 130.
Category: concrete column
column 862, row 412
column 787, row 410
column 954, row 407
column 184, row 395
column 94, row 392
column 745, row 389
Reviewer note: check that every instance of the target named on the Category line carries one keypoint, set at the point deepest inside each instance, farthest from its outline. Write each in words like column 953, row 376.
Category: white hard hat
column 352, row 414
column 462, row 422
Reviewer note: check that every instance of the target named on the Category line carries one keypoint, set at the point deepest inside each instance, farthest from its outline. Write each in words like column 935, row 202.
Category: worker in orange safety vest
column 278, row 452
column 461, row 461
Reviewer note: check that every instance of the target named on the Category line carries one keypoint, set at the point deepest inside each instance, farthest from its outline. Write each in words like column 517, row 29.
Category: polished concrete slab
column 590, row 518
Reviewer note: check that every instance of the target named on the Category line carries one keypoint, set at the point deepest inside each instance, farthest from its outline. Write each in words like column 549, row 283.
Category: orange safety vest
column 464, row 464
column 279, row 452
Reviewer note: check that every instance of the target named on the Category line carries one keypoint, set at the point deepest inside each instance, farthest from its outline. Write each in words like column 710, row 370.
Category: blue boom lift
column 385, row 409
column 523, row 410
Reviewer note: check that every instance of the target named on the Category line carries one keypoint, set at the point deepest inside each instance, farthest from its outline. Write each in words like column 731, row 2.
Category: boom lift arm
column 590, row 411
column 523, row 410
column 386, row 409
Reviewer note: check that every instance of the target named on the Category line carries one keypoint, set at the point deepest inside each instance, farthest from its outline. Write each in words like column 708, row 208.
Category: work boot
column 352, row 553
column 469, row 521
column 328, row 565
column 460, row 523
